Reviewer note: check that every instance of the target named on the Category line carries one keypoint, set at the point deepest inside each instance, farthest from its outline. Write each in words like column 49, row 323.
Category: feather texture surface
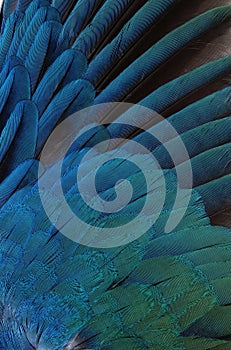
column 163, row 290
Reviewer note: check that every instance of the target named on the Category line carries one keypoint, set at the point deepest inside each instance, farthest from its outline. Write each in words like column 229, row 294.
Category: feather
column 36, row 58
column 105, row 19
column 209, row 165
column 216, row 195
column 26, row 33
column 177, row 90
column 162, row 290
column 73, row 97
column 168, row 95
column 8, row 7
column 63, row 6
column 8, row 133
column 133, row 76
column 12, row 62
column 6, row 38
column 128, row 36
column 21, row 144
column 15, row 88
column 198, row 140
column 79, row 17
column 9, row 185
column 67, row 67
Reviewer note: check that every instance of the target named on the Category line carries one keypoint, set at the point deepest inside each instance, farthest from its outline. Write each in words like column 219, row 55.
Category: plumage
column 163, row 290
column 161, row 52
column 22, row 143
column 68, row 67
column 15, row 88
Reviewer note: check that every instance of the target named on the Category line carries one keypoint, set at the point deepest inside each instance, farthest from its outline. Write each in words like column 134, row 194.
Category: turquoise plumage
column 162, row 290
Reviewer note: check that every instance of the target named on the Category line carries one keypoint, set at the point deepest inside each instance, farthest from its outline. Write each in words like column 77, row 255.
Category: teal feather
column 187, row 240
column 106, row 18
column 212, row 107
column 216, row 194
column 128, row 36
column 133, row 76
column 163, row 290
column 210, row 165
column 177, row 90
column 198, row 140
column 67, row 270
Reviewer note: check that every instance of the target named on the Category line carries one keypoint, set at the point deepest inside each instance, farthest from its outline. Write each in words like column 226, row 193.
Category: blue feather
column 105, row 19
column 15, row 89
column 83, row 11
column 67, row 67
column 26, row 34
column 74, row 96
column 22, row 138
column 162, row 290
column 128, row 36
column 174, row 91
column 10, row 184
column 141, row 68
column 6, row 38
